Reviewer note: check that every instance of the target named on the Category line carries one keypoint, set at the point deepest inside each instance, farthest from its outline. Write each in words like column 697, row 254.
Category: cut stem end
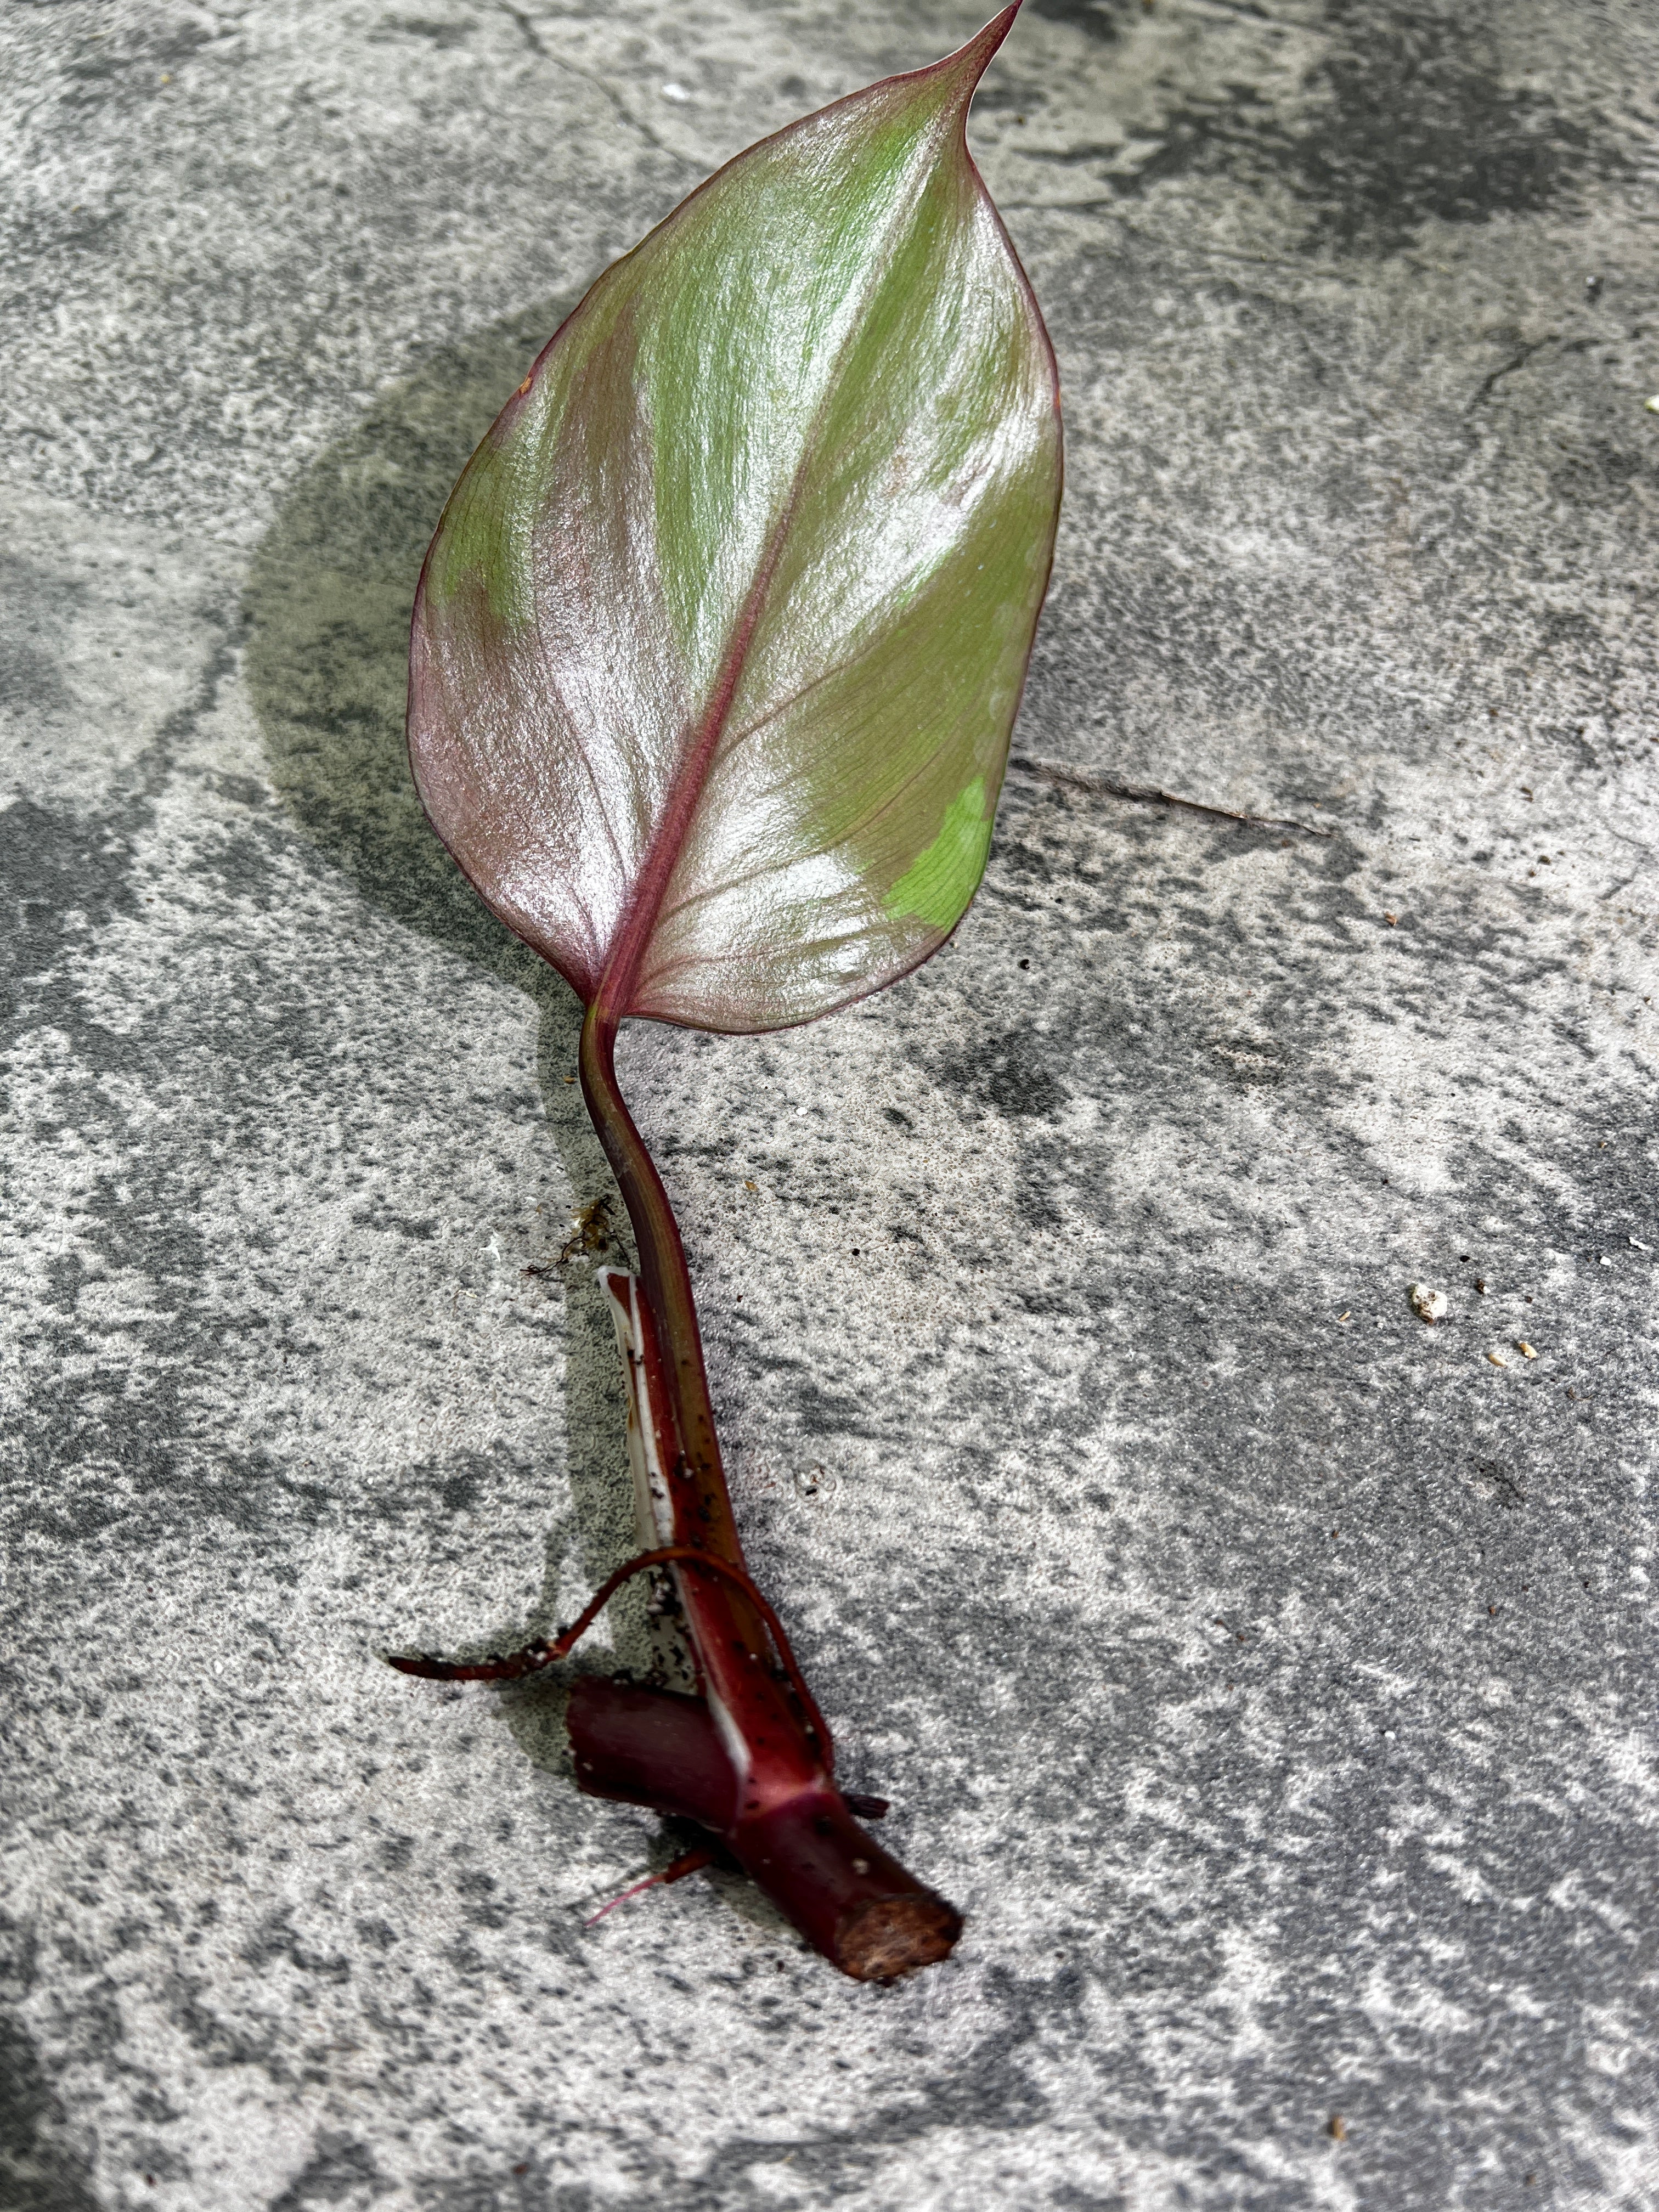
column 895, row 1935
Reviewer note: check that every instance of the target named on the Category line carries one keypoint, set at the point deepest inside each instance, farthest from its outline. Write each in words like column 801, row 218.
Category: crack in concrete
column 533, row 39
column 1106, row 786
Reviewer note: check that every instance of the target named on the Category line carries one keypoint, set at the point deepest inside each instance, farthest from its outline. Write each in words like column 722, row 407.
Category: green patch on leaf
column 937, row 884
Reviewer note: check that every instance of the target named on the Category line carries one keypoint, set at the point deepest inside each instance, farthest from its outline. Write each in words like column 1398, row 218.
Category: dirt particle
column 592, row 1226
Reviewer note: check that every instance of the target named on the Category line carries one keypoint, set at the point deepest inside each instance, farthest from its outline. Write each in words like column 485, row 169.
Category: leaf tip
column 969, row 62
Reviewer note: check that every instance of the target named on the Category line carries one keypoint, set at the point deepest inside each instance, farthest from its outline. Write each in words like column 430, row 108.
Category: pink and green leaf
column 721, row 637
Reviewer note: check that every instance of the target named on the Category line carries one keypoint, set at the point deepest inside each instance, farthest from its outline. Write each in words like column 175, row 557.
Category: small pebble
column 1427, row 1304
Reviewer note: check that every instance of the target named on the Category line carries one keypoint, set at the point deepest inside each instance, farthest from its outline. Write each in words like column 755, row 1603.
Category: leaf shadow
column 327, row 610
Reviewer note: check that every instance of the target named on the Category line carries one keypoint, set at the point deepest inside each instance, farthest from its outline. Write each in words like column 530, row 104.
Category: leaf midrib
column 628, row 947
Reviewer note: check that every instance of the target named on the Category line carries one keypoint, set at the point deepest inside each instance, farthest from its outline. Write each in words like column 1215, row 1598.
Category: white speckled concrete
column 1271, row 1677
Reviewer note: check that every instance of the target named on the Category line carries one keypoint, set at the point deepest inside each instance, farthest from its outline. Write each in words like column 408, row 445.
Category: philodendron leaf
column 721, row 636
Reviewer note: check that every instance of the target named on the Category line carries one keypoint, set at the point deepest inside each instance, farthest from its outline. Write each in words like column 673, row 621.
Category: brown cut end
column 895, row 1935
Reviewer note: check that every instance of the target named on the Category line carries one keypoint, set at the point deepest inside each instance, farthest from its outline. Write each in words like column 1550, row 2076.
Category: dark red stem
column 750, row 1757
column 665, row 1278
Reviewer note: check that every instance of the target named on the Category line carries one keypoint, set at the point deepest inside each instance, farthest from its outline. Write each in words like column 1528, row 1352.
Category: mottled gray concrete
column 1270, row 1676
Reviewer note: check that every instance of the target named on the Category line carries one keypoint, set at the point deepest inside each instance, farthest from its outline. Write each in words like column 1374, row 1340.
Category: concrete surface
column 1271, row 1677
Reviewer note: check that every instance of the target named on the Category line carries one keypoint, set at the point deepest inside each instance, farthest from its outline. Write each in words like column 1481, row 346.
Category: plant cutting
column 715, row 661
